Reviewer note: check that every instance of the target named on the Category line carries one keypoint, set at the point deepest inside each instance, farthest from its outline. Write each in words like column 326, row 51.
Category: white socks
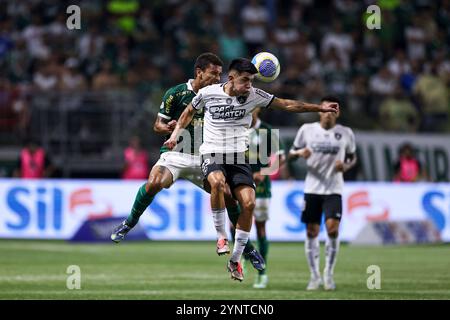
column 312, row 251
column 331, row 251
column 219, row 223
column 240, row 240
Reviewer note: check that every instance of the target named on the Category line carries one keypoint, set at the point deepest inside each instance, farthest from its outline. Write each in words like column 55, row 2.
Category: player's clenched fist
column 329, row 107
column 305, row 153
column 170, row 143
column 171, row 125
column 339, row 166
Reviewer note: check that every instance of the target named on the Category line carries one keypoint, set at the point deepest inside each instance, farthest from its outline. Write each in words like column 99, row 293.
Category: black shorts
column 316, row 204
column 236, row 173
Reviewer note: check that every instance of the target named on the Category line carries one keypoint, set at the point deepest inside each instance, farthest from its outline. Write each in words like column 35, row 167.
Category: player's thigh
column 262, row 209
column 230, row 201
column 190, row 169
column 312, row 209
column 213, row 172
column 216, row 180
column 173, row 163
column 160, row 177
column 239, row 175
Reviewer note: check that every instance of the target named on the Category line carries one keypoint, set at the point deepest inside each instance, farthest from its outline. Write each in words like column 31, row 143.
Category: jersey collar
column 189, row 85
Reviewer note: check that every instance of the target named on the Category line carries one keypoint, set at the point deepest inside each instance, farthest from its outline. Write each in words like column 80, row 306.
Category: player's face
column 328, row 117
column 242, row 83
column 211, row 75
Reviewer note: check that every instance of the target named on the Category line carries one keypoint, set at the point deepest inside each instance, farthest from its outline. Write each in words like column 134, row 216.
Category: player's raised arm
column 300, row 106
column 185, row 118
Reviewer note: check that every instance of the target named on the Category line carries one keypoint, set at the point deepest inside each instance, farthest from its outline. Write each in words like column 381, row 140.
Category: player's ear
column 198, row 72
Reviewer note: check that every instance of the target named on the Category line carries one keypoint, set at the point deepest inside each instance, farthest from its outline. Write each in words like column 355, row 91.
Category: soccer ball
column 268, row 66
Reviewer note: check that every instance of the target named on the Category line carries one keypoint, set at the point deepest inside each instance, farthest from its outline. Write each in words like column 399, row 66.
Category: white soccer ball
column 268, row 66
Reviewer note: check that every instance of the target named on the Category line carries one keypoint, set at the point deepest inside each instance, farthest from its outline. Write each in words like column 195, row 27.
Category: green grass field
column 192, row 270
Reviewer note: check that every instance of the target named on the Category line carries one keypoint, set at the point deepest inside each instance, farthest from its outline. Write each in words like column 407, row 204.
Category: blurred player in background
column 261, row 132
column 173, row 164
column 228, row 107
column 329, row 149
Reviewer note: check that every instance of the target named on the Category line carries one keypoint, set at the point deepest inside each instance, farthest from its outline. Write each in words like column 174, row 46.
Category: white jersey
column 227, row 119
column 326, row 146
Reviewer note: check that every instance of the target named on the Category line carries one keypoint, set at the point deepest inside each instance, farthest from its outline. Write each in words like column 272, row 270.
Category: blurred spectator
column 408, row 168
column 341, row 41
column 33, row 162
column 399, row 64
column 255, row 19
column 46, row 78
column 136, row 161
column 105, row 79
column 382, row 83
column 416, row 38
column 223, row 8
column 231, row 43
column 409, row 78
column 14, row 109
column 91, row 43
column 432, row 93
column 285, row 35
column 34, row 36
column 397, row 113
column 71, row 78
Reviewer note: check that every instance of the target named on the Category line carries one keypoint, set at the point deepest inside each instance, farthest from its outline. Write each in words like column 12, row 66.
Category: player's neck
column 195, row 85
column 327, row 125
column 227, row 88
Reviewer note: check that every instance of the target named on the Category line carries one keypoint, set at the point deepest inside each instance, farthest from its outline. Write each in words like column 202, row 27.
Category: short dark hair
column 242, row 65
column 205, row 59
column 331, row 99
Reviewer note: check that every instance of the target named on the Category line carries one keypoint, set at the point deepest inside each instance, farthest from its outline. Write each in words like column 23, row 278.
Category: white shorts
column 182, row 165
column 262, row 209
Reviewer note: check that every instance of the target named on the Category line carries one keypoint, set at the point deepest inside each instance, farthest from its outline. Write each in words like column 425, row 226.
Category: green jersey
column 174, row 102
column 263, row 189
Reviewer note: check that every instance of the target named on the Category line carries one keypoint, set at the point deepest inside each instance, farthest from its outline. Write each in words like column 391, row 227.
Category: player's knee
column 154, row 185
column 312, row 234
column 312, row 231
column 249, row 205
column 332, row 228
column 218, row 184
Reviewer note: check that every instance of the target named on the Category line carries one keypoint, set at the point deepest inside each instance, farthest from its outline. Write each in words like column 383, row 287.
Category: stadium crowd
column 394, row 79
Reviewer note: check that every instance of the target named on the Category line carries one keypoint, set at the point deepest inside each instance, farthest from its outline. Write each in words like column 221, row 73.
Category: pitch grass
column 192, row 270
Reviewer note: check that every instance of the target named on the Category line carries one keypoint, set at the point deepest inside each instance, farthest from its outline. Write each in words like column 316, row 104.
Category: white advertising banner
column 56, row 209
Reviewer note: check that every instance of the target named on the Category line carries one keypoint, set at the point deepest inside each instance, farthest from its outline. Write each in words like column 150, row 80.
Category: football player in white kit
column 228, row 116
column 330, row 151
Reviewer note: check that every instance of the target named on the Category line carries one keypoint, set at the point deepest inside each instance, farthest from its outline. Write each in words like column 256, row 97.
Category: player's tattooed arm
column 164, row 126
column 185, row 118
column 350, row 162
column 300, row 106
